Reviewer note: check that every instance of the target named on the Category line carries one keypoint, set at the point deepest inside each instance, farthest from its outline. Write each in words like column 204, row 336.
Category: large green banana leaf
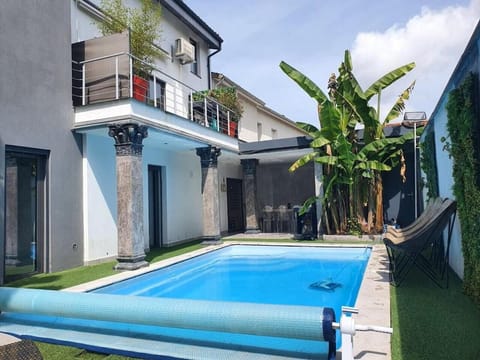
column 302, row 161
column 309, row 128
column 319, row 142
column 388, row 79
column 304, row 82
column 399, row 105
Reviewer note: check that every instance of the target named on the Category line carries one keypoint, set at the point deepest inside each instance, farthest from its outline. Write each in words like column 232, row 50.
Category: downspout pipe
column 208, row 66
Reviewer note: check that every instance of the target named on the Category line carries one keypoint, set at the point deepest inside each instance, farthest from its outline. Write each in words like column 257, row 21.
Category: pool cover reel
column 286, row 321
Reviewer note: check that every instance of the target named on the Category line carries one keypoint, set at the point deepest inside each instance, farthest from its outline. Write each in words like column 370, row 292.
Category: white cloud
column 434, row 40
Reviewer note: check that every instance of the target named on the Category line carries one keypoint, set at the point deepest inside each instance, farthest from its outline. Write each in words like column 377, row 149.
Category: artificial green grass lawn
column 433, row 323
column 429, row 322
column 83, row 274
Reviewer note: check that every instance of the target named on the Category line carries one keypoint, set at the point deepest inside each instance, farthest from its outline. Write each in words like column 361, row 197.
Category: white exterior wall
column 84, row 28
column 182, row 201
column 100, row 198
column 172, row 29
column 182, row 198
column 181, row 170
column 253, row 114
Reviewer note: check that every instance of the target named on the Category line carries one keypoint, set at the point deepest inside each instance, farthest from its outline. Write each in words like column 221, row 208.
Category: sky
column 312, row 36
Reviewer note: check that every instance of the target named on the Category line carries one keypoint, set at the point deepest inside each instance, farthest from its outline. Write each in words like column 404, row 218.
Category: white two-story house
column 96, row 164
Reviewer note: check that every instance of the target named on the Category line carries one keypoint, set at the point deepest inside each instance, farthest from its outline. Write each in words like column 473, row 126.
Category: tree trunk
column 379, row 202
column 371, row 206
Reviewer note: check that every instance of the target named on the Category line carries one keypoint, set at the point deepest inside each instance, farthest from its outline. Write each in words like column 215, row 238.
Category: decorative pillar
column 211, row 203
column 250, row 191
column 128, row 148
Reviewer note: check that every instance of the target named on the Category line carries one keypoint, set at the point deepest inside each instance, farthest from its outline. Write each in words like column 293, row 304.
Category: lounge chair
column 432, row 207
column 421, row 244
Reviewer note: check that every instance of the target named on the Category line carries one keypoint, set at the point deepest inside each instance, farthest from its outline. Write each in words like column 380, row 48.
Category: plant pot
column 232, row 131
column 140, row 88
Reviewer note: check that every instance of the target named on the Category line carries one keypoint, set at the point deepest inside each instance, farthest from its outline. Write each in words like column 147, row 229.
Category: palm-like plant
column 347, row 166
column 143, row 24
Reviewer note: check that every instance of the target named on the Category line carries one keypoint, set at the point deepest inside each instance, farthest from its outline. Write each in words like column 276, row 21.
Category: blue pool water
column 258, row 274
column 282, row 275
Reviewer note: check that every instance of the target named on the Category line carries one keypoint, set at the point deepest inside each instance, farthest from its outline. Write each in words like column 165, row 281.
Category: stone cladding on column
column 128, row 147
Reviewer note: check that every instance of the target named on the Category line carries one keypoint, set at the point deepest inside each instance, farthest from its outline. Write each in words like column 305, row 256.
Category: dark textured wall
column 277, row 186
column 36, row 112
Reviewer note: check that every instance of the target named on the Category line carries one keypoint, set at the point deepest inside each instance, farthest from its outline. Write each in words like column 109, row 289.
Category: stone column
column 128, row 147
column 250, row 192
column 211, row 203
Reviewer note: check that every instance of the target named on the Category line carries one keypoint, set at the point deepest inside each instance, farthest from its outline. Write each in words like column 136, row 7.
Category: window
column 274, row 133
column 195, row 66
column 259, row 131
column 156, row 89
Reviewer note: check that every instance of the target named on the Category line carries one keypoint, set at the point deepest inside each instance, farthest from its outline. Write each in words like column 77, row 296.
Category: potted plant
column 226, row 96
column 144, row 26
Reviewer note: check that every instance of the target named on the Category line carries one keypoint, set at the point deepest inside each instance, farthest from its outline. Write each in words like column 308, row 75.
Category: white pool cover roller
column 298, row 322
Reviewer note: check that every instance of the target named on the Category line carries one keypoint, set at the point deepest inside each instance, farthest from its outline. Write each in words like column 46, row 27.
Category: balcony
column 117, row 77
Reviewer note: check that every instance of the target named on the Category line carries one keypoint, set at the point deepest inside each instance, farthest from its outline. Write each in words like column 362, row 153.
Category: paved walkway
column 6, row 339
column 374, row 304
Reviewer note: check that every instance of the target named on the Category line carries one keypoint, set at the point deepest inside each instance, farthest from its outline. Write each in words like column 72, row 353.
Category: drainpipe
column 208, row 65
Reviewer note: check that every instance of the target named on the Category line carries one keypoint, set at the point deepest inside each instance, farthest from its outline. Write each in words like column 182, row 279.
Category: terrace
column 106, row 76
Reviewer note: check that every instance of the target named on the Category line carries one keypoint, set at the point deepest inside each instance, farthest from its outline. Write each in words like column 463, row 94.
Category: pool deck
column 373, row 300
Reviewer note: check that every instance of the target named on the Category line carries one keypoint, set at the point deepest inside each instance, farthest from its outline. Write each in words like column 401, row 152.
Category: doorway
column 25, row 213
column 236, row 221
column 155, row 212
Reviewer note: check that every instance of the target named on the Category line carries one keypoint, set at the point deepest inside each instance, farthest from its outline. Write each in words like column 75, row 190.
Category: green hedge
column 462, row 127
column 429, row 165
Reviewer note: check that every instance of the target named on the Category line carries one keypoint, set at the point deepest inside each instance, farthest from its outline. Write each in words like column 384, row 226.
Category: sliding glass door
column 24, row 200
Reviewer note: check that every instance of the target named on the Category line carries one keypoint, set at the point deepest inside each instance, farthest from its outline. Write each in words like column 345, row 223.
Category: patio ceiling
column 286, row 150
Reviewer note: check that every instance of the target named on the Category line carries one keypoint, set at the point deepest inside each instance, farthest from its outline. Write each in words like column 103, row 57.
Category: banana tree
column 370, row 118
column 335, row 144
column 374, row 127
column 346, row 167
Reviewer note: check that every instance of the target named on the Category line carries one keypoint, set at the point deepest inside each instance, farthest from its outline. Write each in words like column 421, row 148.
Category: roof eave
column 194, row 22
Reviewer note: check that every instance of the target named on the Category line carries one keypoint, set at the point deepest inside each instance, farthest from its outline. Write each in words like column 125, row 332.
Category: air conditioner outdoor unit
column 184, row 51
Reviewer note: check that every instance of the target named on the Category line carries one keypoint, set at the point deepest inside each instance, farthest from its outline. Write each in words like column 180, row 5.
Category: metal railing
column 117, row 76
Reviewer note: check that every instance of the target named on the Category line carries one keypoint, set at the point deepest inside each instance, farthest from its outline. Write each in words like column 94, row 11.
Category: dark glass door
column 155, row 205
column 236, row 220
column 24, row 199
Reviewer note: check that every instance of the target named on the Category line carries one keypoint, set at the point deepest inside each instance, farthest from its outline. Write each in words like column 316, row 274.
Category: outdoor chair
column 284, row 220
column 268, row 219
column 421, row 244
column 432, row 207
column 425, row 216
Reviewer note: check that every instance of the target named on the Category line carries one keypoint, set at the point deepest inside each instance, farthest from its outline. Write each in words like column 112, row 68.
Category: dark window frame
column 195, row 65
column 42, row 208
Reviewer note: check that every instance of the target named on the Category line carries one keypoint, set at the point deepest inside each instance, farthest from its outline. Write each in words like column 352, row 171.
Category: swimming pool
column 285, row 275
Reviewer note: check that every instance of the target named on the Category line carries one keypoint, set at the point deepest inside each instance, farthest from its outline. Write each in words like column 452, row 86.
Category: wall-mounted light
column 223, row 186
